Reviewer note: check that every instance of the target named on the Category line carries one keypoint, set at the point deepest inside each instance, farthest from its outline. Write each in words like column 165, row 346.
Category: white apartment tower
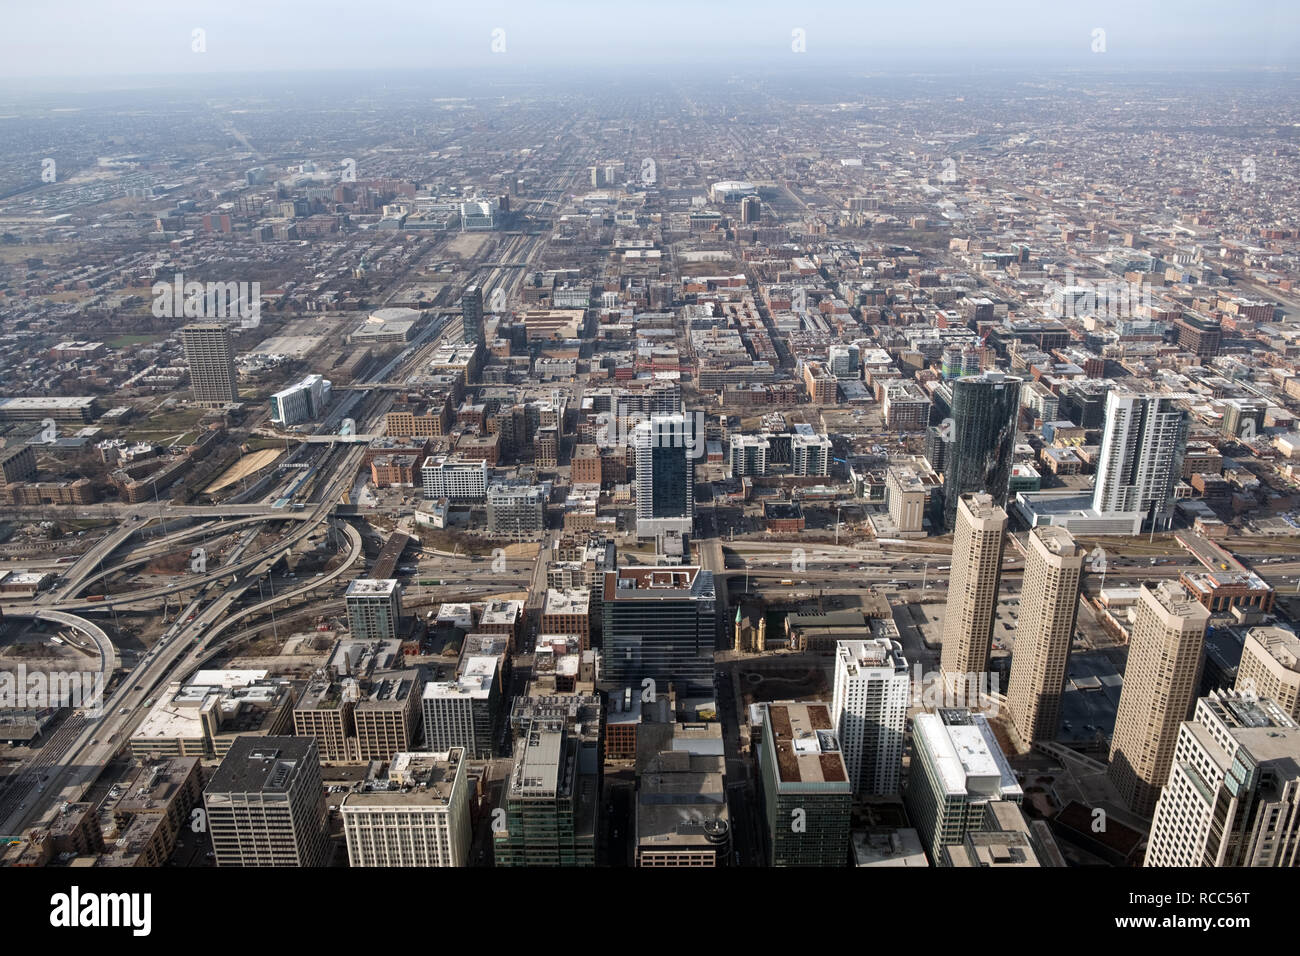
column 1141, row 457
column 1049, row 602
column 869, row 708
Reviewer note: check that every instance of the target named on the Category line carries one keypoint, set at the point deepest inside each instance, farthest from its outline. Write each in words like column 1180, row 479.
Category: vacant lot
column 249, row 464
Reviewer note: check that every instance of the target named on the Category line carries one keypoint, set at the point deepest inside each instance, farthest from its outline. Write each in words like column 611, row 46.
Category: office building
column 304, row 402
column 61, row 408
column 660, row 623
column 417, row 816
column 568, row 612
column 387, row 718
column 265, row 805
column 206, row 715
column 1048, row 605
column 1232, row 797
column 211, row 356
column 972, row 591
column 374, row 608
column 1004, row 840
column 985, row 409
column 1270, row 667
column 666, row 448
column 1160, row 682
column 682, row 818
column 324, row 711
column 550, row 798
column 1141, row 458
column 957, row 772
column 807, row 797
column 869, row 709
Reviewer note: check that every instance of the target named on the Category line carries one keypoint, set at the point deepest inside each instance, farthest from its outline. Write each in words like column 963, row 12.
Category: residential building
column 374, row 608
column 516, row 510
column 1270, row 667
column 1048, row 606
column 872, row 691
column 985, row 410
column 1160, row 682
column 1232, row 797
column 973, row 591
column 211, row 356
column 1141, row 457
column 666, row 448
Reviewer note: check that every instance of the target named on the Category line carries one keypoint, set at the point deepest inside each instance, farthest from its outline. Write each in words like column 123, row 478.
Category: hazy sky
column 115, row 37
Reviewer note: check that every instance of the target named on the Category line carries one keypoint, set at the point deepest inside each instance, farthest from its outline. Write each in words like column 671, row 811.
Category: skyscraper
column 660, row 623
column 471, row 315
column 869, row 709
column 1141, row 456
column 1232, row 797
column 1049, row 603
column 1160, row 680
column 1270, row 667
column 985, row 409
column 265, row 805
column 973, row 591
column 211, row 357
column 666, row 449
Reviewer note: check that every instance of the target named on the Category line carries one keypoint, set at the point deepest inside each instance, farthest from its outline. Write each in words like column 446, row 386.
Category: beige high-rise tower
column 1049, row 603
column 211, row 354
column 1270, row 667
column 972, row 591
column 1164, row 661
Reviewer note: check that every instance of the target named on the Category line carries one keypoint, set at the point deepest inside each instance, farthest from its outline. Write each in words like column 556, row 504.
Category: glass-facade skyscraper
column 666, row 448
column 982, row 437
column 660, row 623
column 471, row 315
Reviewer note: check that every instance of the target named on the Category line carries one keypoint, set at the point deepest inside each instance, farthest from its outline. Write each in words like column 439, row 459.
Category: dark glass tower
column 985, row 409
column 471, row 314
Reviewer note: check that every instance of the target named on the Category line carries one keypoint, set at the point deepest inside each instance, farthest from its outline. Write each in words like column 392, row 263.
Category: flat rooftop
column 372, row 587
column 261, row 764
column 807, row 750
column 966, row 755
